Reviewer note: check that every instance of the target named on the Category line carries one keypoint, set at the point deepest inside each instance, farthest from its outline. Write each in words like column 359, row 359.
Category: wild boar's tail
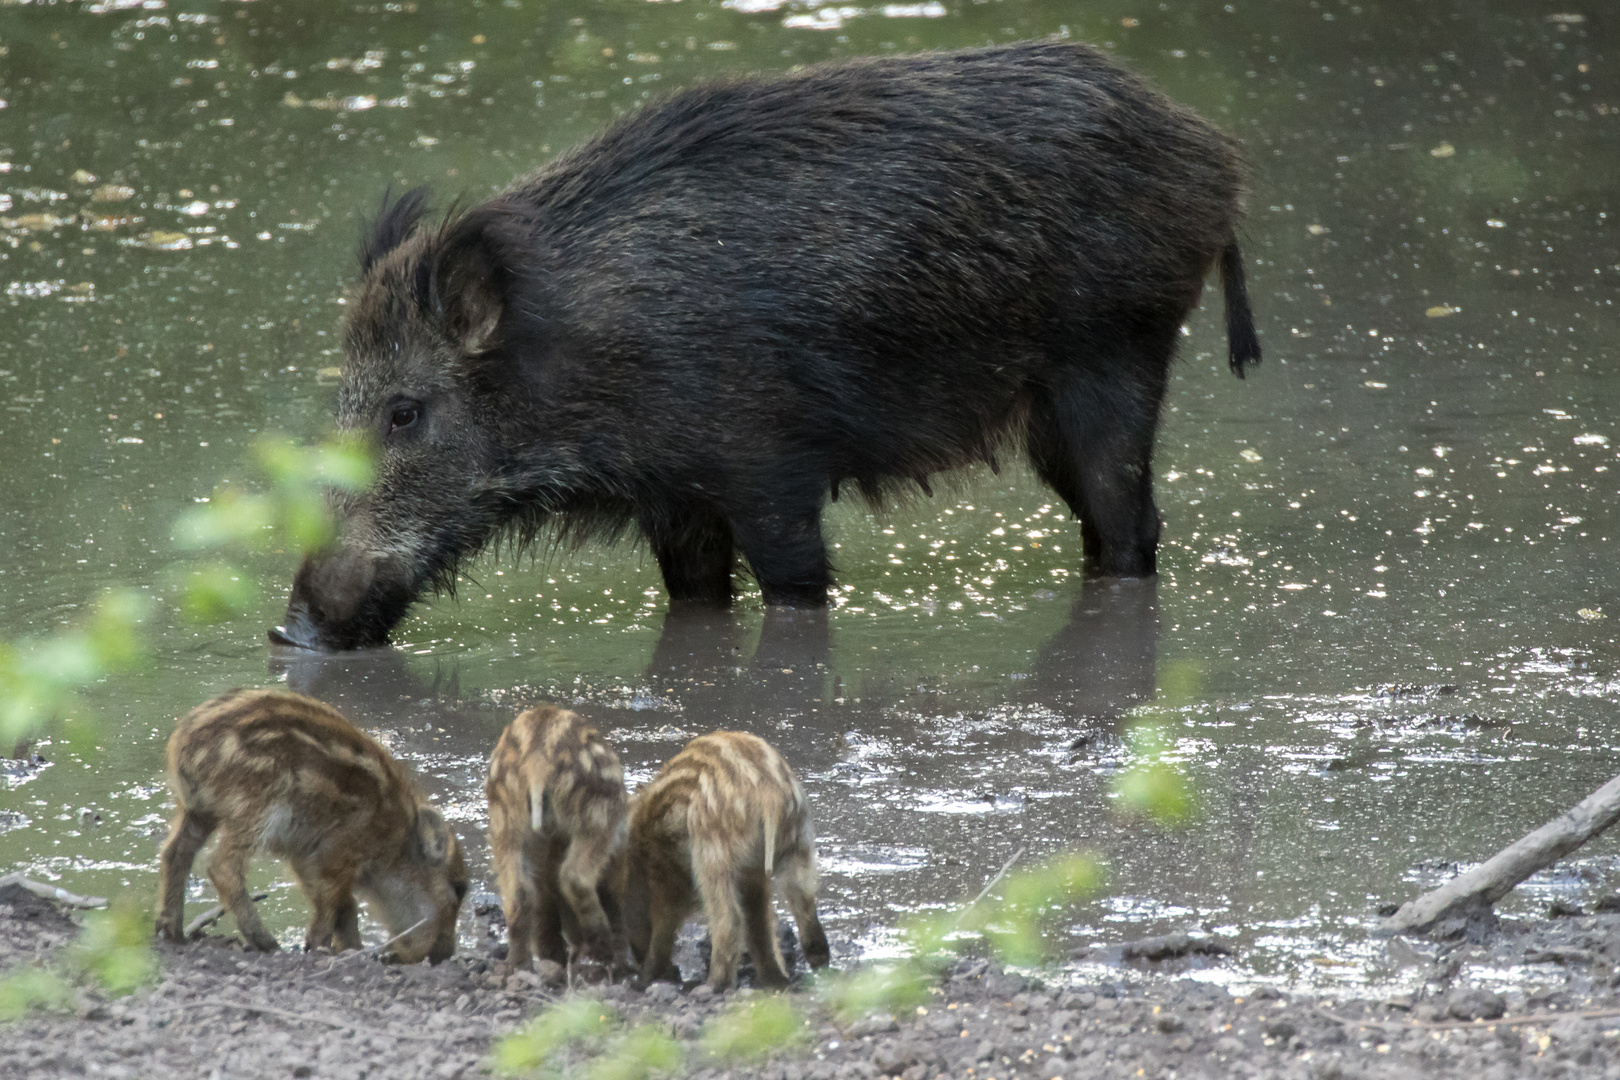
column 1243, row 343
column 769, row 823
column 540, row 812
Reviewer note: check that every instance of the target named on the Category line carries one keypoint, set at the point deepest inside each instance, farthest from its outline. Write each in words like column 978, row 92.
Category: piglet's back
column 254, row 747
column 724, row 784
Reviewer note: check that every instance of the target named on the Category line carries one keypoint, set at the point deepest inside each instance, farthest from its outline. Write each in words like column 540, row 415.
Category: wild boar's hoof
column 262, row 941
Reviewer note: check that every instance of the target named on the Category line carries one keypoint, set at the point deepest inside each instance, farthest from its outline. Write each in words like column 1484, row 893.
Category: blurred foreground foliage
column 579, row 1037
column 1152, row 786
column 287, row 510
column 113, row 953
column 40, row 678
column 1010, row 917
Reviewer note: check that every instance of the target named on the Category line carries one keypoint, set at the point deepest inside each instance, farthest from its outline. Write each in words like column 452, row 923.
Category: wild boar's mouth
column 344, row 599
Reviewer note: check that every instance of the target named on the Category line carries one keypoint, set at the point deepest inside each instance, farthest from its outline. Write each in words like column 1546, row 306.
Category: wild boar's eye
column 404, row 416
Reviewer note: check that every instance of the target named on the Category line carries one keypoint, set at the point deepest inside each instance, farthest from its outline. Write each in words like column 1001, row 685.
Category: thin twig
column 384, row 947
column 329, row 1021
column 1475, row 1025
column 51, row 892
column 213, row 915
column 1006, row 866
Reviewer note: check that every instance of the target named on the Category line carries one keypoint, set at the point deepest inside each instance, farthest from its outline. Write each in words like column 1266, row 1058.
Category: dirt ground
column 217, row 1011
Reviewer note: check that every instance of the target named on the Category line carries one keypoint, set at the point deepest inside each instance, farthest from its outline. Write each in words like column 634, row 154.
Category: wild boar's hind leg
column 577, row 878
column 550, row 920
column 717, row 885
column 784, row 548
column 515, row 880
column 797, row 877
column 667, row 904
column 695, row 552
column 755, row 887
column 1091, row 438
column 188, row 832
column 227, row 869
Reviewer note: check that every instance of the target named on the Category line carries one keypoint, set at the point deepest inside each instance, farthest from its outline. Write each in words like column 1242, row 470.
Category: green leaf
column 753, row 1028
column 1155, row 790
column 231, row 518
column 115, row 947
column 644, row 1050
column 307, row 521
column 549, row 1033
column 27, row 988
column 216, row 593
column 876, row 988
column 113, row 628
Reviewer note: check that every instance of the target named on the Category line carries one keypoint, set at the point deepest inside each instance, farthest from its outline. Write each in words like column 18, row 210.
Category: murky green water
column 1389, row 555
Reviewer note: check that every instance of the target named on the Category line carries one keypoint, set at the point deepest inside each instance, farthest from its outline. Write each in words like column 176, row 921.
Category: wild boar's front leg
column 668, row 904
column 329, row 889
column 228, row 871
column 188, row 832
column 785, row 549
column 346, row 926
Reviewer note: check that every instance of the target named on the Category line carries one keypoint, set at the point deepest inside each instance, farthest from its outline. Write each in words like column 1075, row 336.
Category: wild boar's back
column 257, row 746
column 702, row 322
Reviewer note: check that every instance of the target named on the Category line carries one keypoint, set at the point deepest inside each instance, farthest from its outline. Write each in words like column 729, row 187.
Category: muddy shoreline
column 217, row 1011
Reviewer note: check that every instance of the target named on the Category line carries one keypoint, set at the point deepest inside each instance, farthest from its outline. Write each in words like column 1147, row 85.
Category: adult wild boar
column 704, row 320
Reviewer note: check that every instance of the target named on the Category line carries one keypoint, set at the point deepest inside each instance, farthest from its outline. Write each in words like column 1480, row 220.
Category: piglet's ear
column 432, row 836
column 466, row 281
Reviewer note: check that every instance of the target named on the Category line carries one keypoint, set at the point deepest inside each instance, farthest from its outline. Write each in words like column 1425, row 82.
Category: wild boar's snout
column 345, row 598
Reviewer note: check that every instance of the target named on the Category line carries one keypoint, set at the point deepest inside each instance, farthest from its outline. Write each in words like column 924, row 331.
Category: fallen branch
column 1469, row 1025
column 51, row 892
column 196, row 926
column 1474, row 892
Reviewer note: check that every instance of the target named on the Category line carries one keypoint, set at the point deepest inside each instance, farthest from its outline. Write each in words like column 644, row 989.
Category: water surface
column 1388, row 575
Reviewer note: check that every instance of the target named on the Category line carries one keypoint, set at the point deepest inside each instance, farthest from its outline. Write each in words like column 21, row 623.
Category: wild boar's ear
column 467, row 279
column 432, row 835
column 394, row 224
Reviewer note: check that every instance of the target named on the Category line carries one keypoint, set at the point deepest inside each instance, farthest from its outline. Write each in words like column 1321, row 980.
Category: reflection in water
column 702, row 675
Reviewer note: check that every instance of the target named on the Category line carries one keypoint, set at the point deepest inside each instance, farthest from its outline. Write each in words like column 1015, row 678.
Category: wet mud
column 217, row 1011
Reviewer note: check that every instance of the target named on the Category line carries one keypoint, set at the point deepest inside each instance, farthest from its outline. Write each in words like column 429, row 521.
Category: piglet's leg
column 797, row 877
column 550, row 920
column 520, row 899
column 346, row 927
column 577, row 877
column 188, row 832
column 757, row 909
column 228, row 871
column 717, row 886
column 329, row 890
column 668, row 903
